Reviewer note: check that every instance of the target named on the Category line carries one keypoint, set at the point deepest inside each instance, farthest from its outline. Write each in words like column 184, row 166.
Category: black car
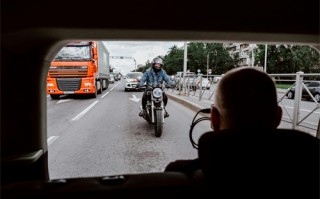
column 313, row 87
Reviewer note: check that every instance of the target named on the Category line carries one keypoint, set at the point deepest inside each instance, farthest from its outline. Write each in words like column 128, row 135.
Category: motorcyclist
column 154, row 76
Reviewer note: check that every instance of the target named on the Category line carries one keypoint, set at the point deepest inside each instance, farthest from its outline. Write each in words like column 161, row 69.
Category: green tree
column 173, row 60
column 219, row 59
column 197, row 57
column 289, row 58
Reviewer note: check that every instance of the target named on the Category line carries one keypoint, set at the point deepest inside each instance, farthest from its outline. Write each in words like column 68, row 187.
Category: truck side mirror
column 95, row 52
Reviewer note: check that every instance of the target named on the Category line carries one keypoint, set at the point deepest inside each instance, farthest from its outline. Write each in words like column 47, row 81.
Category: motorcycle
column 154, row 112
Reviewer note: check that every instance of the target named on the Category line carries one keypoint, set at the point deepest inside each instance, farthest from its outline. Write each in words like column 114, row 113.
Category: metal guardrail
column 298, row 84
column 318, row 131
column 187, row 87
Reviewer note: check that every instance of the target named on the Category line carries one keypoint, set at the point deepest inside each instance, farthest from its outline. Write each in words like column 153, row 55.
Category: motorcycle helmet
column 157, row 64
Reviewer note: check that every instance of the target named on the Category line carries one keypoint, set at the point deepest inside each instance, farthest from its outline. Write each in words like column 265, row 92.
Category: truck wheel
column 99, row 87
column 54, row 96
column 94, row 95
column 105, row 84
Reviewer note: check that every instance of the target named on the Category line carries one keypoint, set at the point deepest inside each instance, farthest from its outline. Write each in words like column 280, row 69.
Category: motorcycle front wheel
column 158, row 122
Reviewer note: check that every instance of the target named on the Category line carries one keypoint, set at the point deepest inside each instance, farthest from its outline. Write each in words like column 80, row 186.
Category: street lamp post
column 208, row 61
column 135, row 65
column 252, row 57
column 265, row 58
column 185, row 59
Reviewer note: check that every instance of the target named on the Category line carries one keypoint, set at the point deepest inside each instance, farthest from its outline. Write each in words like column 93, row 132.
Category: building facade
column 243, row 51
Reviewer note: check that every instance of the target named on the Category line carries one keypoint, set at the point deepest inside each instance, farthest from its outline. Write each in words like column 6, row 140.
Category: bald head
column 246, row 97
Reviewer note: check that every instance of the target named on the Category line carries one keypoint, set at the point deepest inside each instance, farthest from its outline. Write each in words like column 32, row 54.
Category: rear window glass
column 134, row 75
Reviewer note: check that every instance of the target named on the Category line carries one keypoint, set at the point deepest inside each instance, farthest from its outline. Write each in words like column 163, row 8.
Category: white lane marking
column 134, row 98
column 114, row 86
column 51, row 139
column 89, row 107
column 104, row 95
column 84, row 111
column 302, row 122
column 65, row 100
column 109, row 91
column 305, row 110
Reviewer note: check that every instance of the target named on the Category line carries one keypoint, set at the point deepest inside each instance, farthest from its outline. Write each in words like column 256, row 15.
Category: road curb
column 193, row 106
column 188, row 104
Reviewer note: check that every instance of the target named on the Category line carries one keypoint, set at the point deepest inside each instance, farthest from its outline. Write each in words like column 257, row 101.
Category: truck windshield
column 74, row 53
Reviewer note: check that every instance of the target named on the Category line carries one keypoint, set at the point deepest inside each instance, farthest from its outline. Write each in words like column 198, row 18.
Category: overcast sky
column 140, row 51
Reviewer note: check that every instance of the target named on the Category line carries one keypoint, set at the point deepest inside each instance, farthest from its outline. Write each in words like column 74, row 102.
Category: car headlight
column 157, row 92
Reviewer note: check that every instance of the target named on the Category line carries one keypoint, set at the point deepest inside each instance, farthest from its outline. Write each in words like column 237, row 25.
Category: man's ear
column 278, row 116
column 215, row 118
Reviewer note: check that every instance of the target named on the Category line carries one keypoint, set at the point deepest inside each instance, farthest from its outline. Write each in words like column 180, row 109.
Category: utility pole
column 265, row 58
column 185, row 59
column 252, row 59
column 208, row 62
column 208, row 55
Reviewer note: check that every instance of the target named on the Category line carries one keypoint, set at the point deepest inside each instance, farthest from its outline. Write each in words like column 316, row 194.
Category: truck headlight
column 50, row 85
column 88, row 84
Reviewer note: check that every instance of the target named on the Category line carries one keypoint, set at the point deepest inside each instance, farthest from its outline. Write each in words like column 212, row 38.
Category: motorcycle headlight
column 157, row 92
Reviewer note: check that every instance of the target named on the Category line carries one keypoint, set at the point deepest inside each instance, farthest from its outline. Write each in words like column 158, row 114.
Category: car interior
column 33, row 32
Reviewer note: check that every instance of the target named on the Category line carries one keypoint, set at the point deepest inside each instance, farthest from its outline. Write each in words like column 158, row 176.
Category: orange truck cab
column 79, row 68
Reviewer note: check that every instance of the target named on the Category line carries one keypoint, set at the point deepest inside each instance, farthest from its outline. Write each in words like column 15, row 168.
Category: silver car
column 132, row 79
column 112, row 80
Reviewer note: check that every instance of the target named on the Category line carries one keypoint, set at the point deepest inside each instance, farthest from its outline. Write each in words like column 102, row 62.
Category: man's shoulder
column 163, row 72
column 148, row 71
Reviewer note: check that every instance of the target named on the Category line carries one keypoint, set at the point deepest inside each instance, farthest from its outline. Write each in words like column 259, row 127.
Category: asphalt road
column 105, row 136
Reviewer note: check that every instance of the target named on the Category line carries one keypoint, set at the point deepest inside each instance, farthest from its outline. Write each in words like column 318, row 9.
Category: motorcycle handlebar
column 159, row 86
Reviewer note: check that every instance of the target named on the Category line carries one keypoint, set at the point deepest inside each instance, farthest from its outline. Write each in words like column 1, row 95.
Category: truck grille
column 68, row 71
column 69, row 84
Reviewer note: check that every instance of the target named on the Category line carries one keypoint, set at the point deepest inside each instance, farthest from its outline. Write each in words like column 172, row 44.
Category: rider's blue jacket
column 151, row 78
